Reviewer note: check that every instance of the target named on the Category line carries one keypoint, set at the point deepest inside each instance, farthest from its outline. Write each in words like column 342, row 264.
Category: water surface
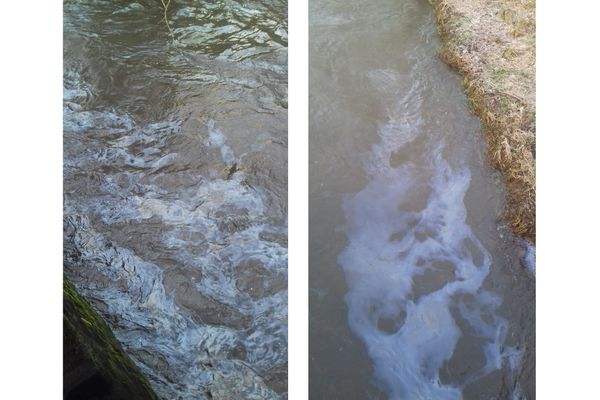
column 175, row 187
column 417, row 291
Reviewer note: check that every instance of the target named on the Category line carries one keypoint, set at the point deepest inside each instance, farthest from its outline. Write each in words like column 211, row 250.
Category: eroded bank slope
column 492, row 44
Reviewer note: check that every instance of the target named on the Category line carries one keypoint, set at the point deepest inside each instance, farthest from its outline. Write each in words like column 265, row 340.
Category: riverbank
column 492, row 44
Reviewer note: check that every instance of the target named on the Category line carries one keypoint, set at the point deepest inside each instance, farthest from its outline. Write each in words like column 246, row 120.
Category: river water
column 417, row 290
column 175, row 187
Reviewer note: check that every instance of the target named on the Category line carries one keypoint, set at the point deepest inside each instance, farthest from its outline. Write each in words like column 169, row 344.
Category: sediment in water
column 492, row 45
column 95, row 365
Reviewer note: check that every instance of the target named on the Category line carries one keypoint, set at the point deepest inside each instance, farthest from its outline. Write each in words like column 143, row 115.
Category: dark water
column 175, row 187
column 417, row 291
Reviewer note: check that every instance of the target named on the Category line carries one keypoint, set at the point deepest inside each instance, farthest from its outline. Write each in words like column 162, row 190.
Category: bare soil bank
column 492, row 44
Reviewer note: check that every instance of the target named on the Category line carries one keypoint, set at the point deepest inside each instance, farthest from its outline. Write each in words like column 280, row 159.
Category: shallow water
column 417, row 291
column 175, row 187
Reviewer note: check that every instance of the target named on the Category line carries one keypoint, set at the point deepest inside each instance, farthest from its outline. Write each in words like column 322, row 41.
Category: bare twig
column 165, row 8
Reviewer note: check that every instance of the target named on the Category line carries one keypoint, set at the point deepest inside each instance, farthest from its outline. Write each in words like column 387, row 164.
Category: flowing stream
column 417, row 290
column 175, row 187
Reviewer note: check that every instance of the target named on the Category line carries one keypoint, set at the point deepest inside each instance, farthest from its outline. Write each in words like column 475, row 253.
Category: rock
column 94, row 363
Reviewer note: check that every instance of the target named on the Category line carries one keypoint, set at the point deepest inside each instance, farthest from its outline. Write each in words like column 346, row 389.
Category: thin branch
column 165, row 8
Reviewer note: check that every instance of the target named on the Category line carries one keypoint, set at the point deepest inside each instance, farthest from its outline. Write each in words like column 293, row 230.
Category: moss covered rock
column 94, row 363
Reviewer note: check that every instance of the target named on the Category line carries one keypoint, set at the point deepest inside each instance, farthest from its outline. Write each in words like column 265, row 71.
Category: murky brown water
column 175, row 187
column 416, row 289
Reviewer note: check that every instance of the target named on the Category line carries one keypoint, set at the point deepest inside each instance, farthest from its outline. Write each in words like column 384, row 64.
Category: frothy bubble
column 412, row 263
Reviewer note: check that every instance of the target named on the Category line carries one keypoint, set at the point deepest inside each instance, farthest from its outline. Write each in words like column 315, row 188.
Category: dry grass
column 492, row 44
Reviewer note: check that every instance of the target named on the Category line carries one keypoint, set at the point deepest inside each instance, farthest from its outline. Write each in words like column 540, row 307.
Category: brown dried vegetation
column 492, row 44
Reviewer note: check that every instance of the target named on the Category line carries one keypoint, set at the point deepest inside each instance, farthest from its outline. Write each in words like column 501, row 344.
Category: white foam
column 217, row 139
column 391, row 244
